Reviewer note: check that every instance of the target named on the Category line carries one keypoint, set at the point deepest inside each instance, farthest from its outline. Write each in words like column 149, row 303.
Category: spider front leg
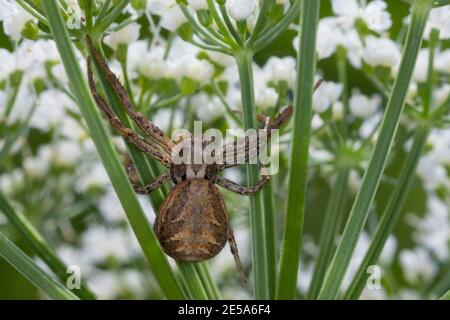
column 149, row 129
column 246, row 191
column 125, row 132
column 149, row 188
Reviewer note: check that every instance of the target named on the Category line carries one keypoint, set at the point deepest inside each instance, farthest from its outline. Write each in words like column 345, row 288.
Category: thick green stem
column 271, row 238
column 298, row 173
column 257, row 215
column 333, row 215
column 377, row 164
column 137, row 218
column 39, row 245
column 22, row 263
column 391, row 214
column 445, row 296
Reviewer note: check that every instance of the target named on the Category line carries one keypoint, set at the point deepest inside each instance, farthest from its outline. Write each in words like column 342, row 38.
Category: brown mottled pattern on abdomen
column 192, row 222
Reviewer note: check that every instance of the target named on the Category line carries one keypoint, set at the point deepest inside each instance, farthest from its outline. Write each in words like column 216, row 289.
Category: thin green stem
column 271, row 238
column 229, row 24
column 428, row 96
column 333, row 216
column 261, row 21
column 202, row 33
column 341, row 58
column 225, row 103
column 377, row 164
column 15, row 80
column 298, row 173
column 22, row 263
column 225, row 29
column 35, row 13
column 392, row 212
column 268, row 37
column 39, row 245
column 137, row 218
column 257, row 214
column 102, row 24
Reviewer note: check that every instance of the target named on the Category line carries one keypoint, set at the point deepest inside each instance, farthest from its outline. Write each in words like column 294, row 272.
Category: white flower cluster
column 14, row 18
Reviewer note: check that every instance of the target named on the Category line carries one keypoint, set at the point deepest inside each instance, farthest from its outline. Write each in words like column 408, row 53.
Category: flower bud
column 30, row 30
column 240, row 10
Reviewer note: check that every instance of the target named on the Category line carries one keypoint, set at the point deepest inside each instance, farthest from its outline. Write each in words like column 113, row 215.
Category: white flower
column 433, row 231
column 208, row 109
column 328, row 37
column 417, row 265
column 381, row 52
column 100, row 243
column 158, row 7
column 281, row 69
column 173, row 18
column 265, row 97
column 432, row 174
column 421, row 68
column 376, row 16
column 150, row 64
column 328, row 93
column 198, row 4
column 50, row 110
column 126, row 36
column 362, row 106
column 191, row 67
column 439, row 20
column 441, row 94
column 442, row 62
column 14, row 18
column 240, row 10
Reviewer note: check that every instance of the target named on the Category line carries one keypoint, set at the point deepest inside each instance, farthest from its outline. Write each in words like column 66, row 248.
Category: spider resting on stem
column 192, row 223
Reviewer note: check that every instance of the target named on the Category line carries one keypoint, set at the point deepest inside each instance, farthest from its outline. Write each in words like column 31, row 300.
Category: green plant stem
column 137, row 218
column 268, row 37
column 229, row 24
column 343, row 78
column 377, row 164
column 392, row 212
column 12, row 97
column 221, row 25
column 102, row 24
column 39, row 245
column 261, row 21
column 225, row 103
column 207, row 281
column 333, row 216
column 445, row 296
column 271, row 238
column 22, row 263
column 257, row 214
column 202, row 33
column 298, row 173
column 428, row 96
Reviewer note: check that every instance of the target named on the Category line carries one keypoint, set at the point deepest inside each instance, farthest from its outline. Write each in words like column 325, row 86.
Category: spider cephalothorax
column 192, row 223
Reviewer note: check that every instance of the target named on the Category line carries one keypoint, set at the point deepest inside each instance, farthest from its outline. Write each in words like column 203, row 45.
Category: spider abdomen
column 192, row 223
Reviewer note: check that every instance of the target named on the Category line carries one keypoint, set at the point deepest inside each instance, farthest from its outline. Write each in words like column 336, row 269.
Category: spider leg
column 246, row 191
column 125, row 132
column 235, row 253
column 152, row 186
column 247, row 145
column 149, row 128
